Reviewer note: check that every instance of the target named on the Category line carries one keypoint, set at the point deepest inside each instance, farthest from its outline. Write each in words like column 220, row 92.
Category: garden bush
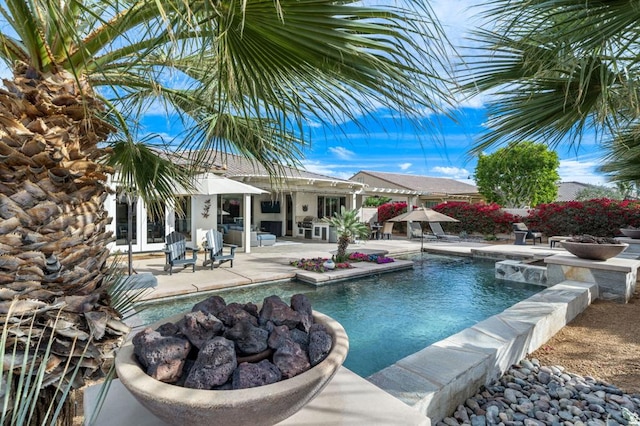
column 390, row 210
column 600, row 217
column 481, row 218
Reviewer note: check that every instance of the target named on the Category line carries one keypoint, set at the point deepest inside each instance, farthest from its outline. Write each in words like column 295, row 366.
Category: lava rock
column 278, row 336
column 302, row 305
column 248, row 338
column 214, row 365
column 319, row 344
column 233, row 313
column 200, row 327
column 212, row 305
column 291, row 359
column 278, row 312
column 249, row 375
column 163, row 357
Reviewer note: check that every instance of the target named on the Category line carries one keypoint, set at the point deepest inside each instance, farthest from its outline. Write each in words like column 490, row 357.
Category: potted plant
column 594, row 248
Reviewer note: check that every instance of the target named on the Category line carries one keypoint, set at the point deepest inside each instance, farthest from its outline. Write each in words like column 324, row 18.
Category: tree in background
column 241, row 77
column 556, row 69
column 519, row 175
column 376, row 201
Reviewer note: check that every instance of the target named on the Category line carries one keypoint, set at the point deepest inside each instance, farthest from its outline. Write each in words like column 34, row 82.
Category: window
column 122, row 221
column 183, row 216
column 155, row 224
column 327, row 206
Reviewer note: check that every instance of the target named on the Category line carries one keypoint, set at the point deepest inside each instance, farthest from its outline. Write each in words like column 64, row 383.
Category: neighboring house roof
column 416, row 183
column 567, row 191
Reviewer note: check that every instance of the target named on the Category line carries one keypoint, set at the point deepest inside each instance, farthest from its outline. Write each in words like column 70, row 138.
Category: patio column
column 246, row 223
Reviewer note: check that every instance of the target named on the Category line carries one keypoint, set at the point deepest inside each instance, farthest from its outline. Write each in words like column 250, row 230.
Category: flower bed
column 374, row 258
column 317, row 264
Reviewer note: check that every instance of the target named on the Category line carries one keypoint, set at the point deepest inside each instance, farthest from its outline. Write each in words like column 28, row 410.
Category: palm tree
column 243, row 77
column 556, row 69
column 348, row 227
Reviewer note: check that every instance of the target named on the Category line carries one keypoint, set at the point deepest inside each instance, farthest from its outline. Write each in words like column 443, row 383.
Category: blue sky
column 389, row 146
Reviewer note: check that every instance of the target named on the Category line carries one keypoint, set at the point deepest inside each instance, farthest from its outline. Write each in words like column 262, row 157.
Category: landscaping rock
column 278, row 312
column 212, row 305
column 233, row 313
column 214, row 366
column 162, row 357
column 249, row 375
column 248, row 338
column 548, row 396
column 302, row 305
column 319, row 344
column 199, row 327
column 291, row 359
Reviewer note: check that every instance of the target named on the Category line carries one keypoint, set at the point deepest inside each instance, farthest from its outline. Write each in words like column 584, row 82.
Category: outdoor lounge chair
column 523, row 234
column 437, row 230
column 416, row 231
column 176, row 252
column 387, row 230
column 215, row 249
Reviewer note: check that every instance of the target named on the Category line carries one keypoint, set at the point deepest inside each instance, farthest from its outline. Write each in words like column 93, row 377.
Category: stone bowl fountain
column 263, row 405
column 594, row 251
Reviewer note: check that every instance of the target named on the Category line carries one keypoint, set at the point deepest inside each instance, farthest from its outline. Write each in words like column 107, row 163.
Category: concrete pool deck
column 419, row 389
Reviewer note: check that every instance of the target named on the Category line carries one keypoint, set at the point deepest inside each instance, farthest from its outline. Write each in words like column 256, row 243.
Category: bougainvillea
column 479, row 218
column 601, row 217
column 389, row 210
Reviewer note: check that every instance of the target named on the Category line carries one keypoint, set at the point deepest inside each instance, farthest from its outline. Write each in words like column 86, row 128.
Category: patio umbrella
column 423, row 214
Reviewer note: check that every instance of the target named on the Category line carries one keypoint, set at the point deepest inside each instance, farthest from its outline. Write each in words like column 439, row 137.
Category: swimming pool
column 390, row 316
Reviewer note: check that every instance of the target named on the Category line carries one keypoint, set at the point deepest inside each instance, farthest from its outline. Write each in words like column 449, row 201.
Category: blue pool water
column 390, row 316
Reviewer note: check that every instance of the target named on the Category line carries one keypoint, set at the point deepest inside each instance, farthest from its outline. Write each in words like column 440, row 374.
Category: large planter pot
column 594, row 251
column 630, row 232
column 264, row 405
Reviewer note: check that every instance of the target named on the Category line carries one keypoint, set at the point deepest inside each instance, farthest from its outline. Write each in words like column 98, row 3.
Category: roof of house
column 424, row 184
column 567, row 191
column 240, row 168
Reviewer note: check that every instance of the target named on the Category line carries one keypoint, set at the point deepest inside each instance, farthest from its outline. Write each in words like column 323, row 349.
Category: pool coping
column 442, row 376
column 358, row 270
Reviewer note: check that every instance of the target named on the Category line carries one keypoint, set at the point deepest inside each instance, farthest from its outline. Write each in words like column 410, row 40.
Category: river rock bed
column 533, row 395
column 235, row 346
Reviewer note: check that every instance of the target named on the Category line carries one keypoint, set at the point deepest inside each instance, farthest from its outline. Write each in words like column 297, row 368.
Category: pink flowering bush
column 481, row 218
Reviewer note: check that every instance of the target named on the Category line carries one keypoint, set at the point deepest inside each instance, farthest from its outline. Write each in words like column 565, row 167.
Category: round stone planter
column 631, row 232
column 263, row 405
column 594, row 251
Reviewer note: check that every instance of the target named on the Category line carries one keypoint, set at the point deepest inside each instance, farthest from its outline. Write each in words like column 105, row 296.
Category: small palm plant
column 348, row 227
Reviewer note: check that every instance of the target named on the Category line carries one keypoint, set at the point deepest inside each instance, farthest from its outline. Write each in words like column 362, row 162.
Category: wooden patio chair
column 214, row 247
column 176, row 252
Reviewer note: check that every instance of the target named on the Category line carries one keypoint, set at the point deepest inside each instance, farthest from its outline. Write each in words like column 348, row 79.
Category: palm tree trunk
column 53, row 235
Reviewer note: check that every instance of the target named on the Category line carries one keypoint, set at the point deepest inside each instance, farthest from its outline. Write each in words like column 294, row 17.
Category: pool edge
column 442, row 376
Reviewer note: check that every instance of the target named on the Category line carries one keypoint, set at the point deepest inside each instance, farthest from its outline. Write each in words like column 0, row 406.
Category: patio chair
column 416, row 232
column 437, row 230
column 176, row 252
column 373, row 231
column 387, row 230
column 215, row 249
column 523, row 234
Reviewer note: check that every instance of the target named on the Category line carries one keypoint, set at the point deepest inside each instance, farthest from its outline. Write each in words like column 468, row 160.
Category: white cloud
column 342, row 153
column 331, row 170
column 404, row 166
column 581, row 170
column 452, row 172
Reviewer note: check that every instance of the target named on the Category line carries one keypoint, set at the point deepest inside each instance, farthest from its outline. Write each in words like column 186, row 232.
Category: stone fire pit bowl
column 630, row 232
column 263, row 405
column 594, row 251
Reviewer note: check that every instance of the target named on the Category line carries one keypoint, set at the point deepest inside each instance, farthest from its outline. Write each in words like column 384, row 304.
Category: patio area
column 349, row 399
